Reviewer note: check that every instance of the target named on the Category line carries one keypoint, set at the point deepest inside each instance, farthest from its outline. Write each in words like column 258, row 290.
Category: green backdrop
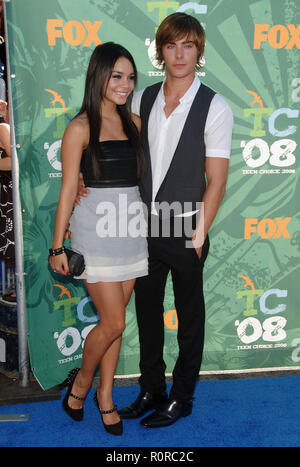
column 252, row 274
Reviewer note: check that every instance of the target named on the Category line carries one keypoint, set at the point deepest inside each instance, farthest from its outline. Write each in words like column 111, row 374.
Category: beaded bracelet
column 56, row 252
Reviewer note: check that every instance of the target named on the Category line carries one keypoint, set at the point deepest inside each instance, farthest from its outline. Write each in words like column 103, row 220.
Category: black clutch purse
column 75, row 262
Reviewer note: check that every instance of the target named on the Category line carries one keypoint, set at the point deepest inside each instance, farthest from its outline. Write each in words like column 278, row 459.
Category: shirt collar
column 191, row 92
column 188, row 96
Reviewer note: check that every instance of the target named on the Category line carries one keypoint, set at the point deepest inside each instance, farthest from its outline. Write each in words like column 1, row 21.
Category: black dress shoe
column 144, row 403
column 114, row 429
column 168, row 414
column 75, row 414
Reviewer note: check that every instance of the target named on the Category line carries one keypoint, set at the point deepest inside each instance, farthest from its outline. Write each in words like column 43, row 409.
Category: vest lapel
column 147, row 102
column 181, row 143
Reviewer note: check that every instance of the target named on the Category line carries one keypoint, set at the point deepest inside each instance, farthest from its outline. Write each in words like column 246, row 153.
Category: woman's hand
column 81, row 189
column 59, row 264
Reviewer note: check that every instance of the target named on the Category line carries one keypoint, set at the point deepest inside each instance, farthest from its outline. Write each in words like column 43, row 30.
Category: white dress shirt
column 164, row 133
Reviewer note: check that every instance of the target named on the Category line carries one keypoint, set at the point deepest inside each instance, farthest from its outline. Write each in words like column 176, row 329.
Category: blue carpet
column 259, row 412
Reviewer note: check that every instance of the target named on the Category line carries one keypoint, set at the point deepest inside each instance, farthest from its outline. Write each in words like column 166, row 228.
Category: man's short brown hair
column 176, row 27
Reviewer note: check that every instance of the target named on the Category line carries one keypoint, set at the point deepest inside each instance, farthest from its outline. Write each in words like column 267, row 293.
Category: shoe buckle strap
column 103, row 412
column 77, row 397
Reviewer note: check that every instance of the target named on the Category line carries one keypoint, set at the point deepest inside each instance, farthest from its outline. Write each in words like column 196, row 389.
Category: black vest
column 184, row 183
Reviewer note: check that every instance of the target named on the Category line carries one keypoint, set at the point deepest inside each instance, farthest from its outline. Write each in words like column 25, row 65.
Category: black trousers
column 171, row 254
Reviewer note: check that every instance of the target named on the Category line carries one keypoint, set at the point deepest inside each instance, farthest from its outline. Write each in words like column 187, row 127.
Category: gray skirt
column 109, row 229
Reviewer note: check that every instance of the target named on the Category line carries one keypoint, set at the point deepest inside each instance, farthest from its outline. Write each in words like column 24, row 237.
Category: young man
column 186, row 134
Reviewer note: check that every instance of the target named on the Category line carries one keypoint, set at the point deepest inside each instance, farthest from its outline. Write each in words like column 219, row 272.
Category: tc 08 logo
column 272, row 329
column 282, row 124
column 263, row 327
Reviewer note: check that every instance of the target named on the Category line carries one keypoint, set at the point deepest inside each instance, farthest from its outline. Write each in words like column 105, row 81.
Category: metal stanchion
column 18, row 233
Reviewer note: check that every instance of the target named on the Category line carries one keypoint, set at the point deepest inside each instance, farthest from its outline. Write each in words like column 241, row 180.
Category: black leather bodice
column 118, row 165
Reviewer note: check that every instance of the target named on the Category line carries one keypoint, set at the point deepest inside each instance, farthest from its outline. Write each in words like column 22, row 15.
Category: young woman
column 102, row 142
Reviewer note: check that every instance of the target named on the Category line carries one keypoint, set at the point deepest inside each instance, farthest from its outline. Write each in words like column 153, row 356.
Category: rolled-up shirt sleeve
column 218, row 129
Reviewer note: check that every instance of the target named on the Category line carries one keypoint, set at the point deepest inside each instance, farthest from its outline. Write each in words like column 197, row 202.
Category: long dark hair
column 99, row 72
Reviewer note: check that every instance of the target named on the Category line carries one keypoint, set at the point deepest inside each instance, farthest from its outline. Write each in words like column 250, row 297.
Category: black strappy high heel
column 75, row 414
column 114, row 429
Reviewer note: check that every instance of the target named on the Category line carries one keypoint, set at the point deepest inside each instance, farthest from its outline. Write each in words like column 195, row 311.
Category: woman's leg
column 109, row 361
column 108, row 298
